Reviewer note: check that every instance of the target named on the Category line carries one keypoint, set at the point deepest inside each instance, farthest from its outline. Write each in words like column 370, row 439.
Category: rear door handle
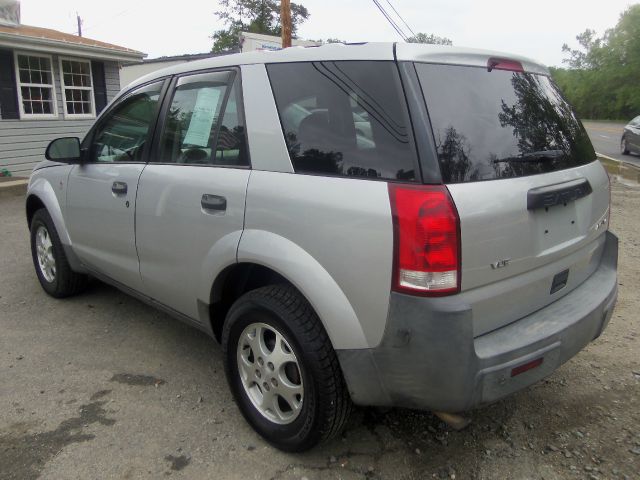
column 213, row 202
column 119, row 188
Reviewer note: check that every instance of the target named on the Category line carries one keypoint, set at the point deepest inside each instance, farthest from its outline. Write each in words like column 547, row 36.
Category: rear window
column 345, row 118
column 500, row 124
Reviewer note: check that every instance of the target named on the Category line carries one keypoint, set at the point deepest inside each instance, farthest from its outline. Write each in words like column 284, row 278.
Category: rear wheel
column 624, row 146
column 282, row 369
column 51, row 264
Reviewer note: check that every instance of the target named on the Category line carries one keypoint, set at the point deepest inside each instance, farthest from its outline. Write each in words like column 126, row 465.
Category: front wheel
column 282, row 369
column 624, row 146
column 51, row 264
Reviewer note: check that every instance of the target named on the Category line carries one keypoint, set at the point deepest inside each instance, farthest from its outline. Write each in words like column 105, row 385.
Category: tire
column 52, row 267
column 624, row 146
column 323, row 404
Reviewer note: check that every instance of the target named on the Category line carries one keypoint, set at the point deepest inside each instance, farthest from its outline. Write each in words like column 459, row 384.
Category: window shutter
column 8, row 90
column 99, row 85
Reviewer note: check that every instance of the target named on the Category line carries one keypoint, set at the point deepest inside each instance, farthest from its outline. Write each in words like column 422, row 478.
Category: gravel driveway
column 103, row 386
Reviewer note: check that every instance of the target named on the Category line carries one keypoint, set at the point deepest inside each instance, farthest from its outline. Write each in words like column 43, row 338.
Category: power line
column 400, row 17
column 390, row 20
column 393, row 23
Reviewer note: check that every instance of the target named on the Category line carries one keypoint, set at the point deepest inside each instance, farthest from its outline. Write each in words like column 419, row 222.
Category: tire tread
column 68, row 282
column 337, row 401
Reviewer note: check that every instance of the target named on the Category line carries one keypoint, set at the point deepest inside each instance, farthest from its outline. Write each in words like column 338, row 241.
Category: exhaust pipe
column 457, row 422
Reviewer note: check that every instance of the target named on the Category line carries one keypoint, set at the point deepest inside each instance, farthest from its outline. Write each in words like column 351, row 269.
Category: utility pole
column 79, row 24
column 285, row 21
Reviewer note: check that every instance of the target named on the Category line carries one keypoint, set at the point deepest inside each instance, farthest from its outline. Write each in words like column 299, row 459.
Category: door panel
column 190, row 207
column 635, row 136
column 101, row 222
column 181, row 235
column 101, row 196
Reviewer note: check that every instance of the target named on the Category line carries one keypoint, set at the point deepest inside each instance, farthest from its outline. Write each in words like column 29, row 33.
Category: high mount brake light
column 504, row 64
column 426, row 240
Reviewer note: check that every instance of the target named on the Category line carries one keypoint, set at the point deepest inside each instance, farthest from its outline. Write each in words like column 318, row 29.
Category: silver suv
column 373, row 224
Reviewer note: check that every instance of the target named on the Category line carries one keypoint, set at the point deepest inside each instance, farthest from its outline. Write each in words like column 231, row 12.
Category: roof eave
column 20, row 42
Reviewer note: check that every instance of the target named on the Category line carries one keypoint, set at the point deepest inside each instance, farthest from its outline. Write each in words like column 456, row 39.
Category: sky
column 534, row 28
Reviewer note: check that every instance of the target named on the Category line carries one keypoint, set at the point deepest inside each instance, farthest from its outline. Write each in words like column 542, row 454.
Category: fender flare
column 311, row 279
column 43, row 190
column 220, row 256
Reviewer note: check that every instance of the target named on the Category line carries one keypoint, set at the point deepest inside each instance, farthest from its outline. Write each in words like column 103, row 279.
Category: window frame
column 63, row 88
column 20, row 84
column 87, row 142
column 156, row 148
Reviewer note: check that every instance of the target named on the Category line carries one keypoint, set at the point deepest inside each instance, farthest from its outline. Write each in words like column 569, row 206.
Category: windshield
column 500, row 124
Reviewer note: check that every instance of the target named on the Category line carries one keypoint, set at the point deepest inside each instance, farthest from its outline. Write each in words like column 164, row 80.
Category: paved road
column 101, row 386
column 605, row 137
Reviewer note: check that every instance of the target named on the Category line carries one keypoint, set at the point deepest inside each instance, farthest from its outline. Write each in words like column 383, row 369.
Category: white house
column 52, row 84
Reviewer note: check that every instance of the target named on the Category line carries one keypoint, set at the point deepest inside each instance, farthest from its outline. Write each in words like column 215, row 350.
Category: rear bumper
column 429, row 358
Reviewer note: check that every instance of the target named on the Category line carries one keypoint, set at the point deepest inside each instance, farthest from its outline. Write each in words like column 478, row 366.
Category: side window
column 346, row 118
column 121, row 136
column 204, row 125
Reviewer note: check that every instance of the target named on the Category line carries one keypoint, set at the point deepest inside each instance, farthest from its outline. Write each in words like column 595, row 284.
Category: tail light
column 426, row 230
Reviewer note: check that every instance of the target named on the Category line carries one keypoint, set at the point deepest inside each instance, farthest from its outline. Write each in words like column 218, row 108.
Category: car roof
column 350, row 51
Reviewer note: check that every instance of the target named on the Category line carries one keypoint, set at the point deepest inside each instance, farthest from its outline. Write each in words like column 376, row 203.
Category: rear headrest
column 313, row 131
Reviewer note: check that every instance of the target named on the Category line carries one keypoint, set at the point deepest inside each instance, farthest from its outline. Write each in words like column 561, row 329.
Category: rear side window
column 345, row 118
column 203, row 125
column 500, row 124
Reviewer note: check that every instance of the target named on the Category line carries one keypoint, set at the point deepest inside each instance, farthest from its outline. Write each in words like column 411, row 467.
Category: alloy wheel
column 44, row 250
column 270, row 373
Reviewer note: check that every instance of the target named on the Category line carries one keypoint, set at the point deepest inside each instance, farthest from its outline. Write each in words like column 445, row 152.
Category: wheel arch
column 231, row 283
column 42, row 195
column 275, row 259
column 33, row 204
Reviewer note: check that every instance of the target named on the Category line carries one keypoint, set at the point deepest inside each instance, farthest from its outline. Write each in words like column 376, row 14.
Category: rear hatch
column 532, row 199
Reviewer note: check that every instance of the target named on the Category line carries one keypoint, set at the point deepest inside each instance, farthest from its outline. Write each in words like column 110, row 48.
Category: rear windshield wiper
column 539, row 156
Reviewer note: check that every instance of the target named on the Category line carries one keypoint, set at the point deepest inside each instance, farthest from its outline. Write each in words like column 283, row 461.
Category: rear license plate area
column 555, row 226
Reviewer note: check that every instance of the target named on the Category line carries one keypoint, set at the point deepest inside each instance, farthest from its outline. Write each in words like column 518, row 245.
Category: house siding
column 23, row 142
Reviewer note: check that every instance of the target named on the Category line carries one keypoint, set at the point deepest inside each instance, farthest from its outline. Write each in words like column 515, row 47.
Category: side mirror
column 65, row 150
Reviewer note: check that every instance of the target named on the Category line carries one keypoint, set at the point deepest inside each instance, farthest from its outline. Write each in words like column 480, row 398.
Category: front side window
column 346, row 118
column 77, row 88
column 121, row 136
column 204, row 125
column 35, row 86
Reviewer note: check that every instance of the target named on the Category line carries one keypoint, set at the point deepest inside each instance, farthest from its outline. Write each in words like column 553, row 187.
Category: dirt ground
column 102, row 386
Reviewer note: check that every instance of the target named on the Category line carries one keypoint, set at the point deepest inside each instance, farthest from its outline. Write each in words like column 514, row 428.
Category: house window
column 77, row 88
column 35, row 86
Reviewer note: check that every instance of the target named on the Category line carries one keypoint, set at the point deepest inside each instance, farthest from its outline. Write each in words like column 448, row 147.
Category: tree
column 453, row 153
column 429, row 38
column 602, row 75
column 255, row 16
column 586, row 57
